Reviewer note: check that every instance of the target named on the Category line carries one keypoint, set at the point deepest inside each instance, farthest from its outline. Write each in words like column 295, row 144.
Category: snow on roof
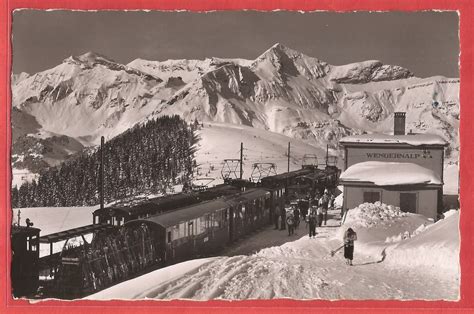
column 414, row 139
column 389, row 173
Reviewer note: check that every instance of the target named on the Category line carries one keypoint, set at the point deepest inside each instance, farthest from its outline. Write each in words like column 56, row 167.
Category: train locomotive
column 137, row 239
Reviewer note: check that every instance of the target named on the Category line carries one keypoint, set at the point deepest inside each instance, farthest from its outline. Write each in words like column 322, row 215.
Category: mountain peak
column 90, row 58
column 279, row 48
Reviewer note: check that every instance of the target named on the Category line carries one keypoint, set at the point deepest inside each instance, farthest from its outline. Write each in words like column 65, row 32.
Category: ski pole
column 336, row 250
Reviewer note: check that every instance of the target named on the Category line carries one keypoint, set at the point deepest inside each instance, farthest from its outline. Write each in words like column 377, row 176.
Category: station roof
column 389, row 173
column 411, row 139
column 72, row 233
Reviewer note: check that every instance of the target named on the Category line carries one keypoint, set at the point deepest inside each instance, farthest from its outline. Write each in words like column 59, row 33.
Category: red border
column 466, row 11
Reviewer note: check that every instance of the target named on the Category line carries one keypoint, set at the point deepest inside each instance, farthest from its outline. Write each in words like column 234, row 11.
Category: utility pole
column 241, row 160
column 101, row 187
column 289, row 148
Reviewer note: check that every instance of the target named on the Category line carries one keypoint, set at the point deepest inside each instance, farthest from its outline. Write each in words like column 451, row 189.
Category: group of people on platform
column 314, row 211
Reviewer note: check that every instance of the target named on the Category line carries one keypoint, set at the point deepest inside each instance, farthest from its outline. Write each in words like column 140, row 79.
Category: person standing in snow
column 283, row 218
column 312, row 222
column 276, row 215
column 332, row 199
column 320, row 216
column 296, row 215
column 349, row 237
column 290, row 221
column 304, row 206
column 324, row 203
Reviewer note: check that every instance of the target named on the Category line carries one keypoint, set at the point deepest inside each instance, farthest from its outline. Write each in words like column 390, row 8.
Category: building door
column 371, row 197
column 408, row 202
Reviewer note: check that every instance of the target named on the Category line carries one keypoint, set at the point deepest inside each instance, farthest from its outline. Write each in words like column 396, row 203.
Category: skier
column 312, row 222
column 349, row 237
column 290, row 221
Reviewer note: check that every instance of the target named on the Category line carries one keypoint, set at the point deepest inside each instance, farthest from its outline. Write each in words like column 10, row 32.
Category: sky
column 426, row 43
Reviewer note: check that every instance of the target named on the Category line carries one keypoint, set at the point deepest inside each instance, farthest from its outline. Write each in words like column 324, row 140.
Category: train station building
column 404, row 170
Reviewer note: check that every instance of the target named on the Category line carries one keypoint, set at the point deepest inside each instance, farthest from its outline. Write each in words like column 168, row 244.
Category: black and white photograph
column 235, row 155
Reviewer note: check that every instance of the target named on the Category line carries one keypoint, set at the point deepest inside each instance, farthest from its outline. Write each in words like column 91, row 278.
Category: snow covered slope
column 87, row 95
column 436, row 248
column 222, row 141
column 282, row 90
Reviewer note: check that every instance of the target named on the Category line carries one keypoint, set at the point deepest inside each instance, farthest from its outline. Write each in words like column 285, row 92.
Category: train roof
column 159, row 203
column 248, row 195
column 185, row 214
column 285, row 175
column 128, row 210
column 170, row 198
column 315, row 175
column 195, row 211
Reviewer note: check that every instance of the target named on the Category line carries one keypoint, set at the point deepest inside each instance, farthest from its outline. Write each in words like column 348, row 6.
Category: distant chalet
column 400, row 170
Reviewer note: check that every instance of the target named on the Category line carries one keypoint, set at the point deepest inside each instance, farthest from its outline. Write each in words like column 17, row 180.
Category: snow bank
column 377, row 225
column 400, row 173
column 436, row 249
column 404, row 239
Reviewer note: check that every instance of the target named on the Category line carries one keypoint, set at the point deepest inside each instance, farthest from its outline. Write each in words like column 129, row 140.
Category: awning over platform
column 72, row 233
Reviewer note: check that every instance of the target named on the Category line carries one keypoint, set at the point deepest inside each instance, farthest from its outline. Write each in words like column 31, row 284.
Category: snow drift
column 436, row 249
column 404, row 239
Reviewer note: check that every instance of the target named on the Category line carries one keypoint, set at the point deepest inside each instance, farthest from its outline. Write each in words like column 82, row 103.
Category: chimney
column 399, row 123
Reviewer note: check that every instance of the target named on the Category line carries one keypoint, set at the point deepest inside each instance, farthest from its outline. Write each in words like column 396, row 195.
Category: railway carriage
column 193, row 231
column 249, row 211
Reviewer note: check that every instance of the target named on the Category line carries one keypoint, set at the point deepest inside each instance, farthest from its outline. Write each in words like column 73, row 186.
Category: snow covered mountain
column 282, row 91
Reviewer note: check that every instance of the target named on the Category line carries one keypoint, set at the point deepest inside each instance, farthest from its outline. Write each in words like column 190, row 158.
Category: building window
column 169, row 236
column 408, row 202
column 191, row 228
column 371, row 197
